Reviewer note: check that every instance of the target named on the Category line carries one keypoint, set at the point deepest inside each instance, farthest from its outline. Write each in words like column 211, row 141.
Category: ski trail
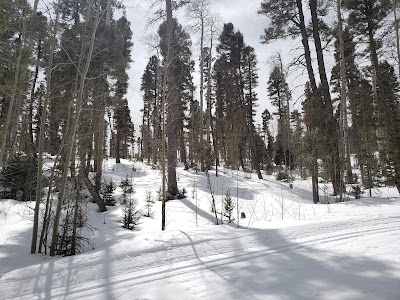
column 198, row 269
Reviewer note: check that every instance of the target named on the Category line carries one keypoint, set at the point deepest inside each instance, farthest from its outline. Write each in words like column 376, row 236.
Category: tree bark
column 172, row 113
column 30, row 140
column 310, row 71
column 73, row 133
column 343, row 98
column 3, row 154
column 93, row 193
column 99, row 140
column 396, row 28
column 333, row 148
column 202, row 148
column 43, row 120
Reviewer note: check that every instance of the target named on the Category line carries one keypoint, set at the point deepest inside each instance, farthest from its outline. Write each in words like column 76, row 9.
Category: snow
column 344, row 250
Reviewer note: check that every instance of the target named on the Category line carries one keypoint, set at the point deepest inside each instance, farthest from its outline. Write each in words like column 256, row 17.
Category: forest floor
column 285, row 248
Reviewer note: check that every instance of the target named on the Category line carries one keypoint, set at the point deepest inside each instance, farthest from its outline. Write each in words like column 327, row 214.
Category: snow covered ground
column 285, row 248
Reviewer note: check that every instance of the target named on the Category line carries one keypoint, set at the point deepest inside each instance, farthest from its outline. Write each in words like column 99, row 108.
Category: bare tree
column 198, row 12
column 171, row 114
column 53, row 42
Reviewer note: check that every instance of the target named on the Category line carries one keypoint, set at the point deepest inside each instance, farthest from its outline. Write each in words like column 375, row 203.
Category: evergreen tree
column 287, row 20
column 151, row 123
column 235, row 76
column 366, row 20
column 278, row 91
column 268, row 140
column 180, row 89
column 390, row 88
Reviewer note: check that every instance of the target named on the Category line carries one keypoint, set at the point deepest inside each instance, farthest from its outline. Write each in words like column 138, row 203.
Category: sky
column 243, row 15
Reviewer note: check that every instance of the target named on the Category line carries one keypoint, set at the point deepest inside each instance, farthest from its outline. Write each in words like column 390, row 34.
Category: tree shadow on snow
column 295, row 271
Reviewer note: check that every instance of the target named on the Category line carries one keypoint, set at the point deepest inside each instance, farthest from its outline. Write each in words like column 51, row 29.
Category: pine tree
column 179, row 91
column 278, row 91
column 151, row 125
column 287, row 20
column 235, row 81
column 268, row 140
column 390, row 88
column 366, row 19
column 229, row 206
column 250, row 82
column 351, row 77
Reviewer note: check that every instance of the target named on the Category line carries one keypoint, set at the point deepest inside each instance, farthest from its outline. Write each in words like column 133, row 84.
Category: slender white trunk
column 73, row 134
column 3, row 156
column 166, row 73
column 343, row 102
column 396, row 28
column 43, row 119
column 202, row 152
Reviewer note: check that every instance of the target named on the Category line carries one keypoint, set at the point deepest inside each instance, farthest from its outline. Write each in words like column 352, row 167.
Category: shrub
column 19, row 178
column 149, row 204
column 108, row 191
column 356, row 191
column 282, row 176
column 228, row 207
column 131, row 215
column 127, row 188
column 126, row 185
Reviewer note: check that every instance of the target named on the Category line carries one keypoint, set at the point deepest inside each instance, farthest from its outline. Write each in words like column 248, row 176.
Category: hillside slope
column 327, row 251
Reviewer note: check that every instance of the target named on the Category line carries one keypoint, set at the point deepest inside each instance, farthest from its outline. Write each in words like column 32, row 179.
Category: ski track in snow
column 185, row 268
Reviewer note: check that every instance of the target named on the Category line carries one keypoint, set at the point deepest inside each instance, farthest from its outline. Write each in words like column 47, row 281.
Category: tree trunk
column 314, row 180
column 75, row 220
column 202, row 148
column 118, row 144
column 310, row 71
column 183, row 150
column 93, row 193
column 343, row 102
column 45, row 226
column 3, row 154
column 43, row 120
column 99, row 140
column 333, row 148
column 306, row 46
column 172, row 113
column 30, row 140
column 73, row 134
column 216, row 153
column 396, row 28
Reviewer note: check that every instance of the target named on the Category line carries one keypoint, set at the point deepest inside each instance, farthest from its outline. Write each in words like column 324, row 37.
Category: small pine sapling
column 108, row 191
column 356, row 191
column 228, row 207
column 127, row 188
column 149, row 204
column 160, row 196
column 131, row 216
column 282, row 176
column 127, row 185
column 70, row 240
